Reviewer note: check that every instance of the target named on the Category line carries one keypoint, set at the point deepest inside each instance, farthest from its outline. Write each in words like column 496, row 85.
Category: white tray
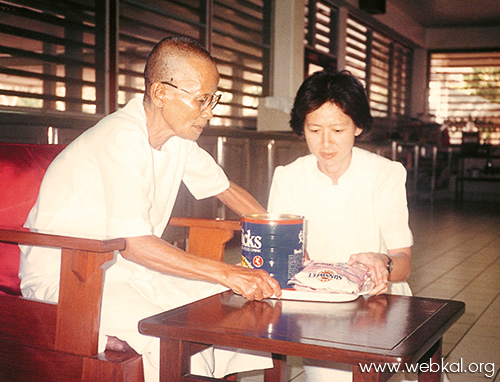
column 292, row 294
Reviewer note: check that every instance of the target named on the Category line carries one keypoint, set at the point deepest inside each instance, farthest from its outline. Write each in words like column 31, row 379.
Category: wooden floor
column 456, row 256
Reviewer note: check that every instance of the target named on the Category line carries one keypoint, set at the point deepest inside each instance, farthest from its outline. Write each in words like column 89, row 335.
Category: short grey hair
column 160, row 63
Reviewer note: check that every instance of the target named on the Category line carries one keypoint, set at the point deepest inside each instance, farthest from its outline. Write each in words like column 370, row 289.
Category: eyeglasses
column 204, row 101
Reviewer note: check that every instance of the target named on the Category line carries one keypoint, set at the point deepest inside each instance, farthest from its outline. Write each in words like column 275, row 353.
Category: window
column 79, row 56
column 241, row 38
column 235, row 32
column 464, row 85
column 320, row 36
column 464, row 92
column 383, row 65
column 400, row 79
column 48, row 53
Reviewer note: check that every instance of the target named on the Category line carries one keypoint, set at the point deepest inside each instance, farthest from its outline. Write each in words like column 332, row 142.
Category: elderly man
column 120, row 179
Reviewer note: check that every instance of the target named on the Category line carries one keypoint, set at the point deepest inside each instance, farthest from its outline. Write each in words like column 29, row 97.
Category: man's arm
column 240, row 200
column 159, row 255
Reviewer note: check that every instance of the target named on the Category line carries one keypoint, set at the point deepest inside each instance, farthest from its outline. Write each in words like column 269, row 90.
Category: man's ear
column 157, row 94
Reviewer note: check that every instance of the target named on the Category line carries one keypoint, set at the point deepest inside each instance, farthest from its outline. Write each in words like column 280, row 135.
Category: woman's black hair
column 340, row 88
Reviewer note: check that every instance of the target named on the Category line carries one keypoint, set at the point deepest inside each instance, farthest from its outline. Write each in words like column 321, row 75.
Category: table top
column 385, row 328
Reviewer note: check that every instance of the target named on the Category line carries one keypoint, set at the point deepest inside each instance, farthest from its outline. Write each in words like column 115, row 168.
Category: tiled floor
column 456, row 256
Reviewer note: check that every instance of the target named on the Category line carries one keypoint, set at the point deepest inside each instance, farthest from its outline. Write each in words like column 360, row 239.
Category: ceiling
column 451, row 13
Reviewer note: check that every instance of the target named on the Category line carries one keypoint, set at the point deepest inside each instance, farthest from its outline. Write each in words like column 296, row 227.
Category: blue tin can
column 274, row 243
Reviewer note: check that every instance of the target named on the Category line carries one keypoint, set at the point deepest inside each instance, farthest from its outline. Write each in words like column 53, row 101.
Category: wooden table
column 379, row 329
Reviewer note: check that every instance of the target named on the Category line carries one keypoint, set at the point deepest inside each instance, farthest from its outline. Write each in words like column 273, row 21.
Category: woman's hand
column 376, row 265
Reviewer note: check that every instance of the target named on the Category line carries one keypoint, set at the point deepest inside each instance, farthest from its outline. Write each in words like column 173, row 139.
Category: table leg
column 278, row 372
column 174, row 360
column 432, row 357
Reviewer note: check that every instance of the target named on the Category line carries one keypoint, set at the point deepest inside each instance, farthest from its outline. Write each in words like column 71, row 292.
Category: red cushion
column 22, row 167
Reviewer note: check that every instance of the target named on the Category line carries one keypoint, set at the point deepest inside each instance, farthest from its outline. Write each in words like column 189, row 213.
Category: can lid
column 268, row 218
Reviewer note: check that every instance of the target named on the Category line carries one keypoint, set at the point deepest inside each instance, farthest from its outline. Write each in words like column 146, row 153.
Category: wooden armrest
column 27, row 237
column 207, row 237
column 80, row 289
column 233, row 225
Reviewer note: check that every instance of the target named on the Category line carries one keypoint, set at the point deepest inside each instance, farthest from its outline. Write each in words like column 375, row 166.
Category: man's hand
column 250, row 283
column 253, row 284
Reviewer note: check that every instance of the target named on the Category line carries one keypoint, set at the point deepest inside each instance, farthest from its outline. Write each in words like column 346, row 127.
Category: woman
column 354, row 201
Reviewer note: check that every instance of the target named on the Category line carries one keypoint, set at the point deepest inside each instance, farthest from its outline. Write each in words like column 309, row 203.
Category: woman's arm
column 390, row 205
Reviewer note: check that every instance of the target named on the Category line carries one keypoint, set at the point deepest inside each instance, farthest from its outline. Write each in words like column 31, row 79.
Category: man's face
column 184, row 112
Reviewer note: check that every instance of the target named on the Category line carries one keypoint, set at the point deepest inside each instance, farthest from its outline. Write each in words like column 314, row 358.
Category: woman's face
column 330, row 134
